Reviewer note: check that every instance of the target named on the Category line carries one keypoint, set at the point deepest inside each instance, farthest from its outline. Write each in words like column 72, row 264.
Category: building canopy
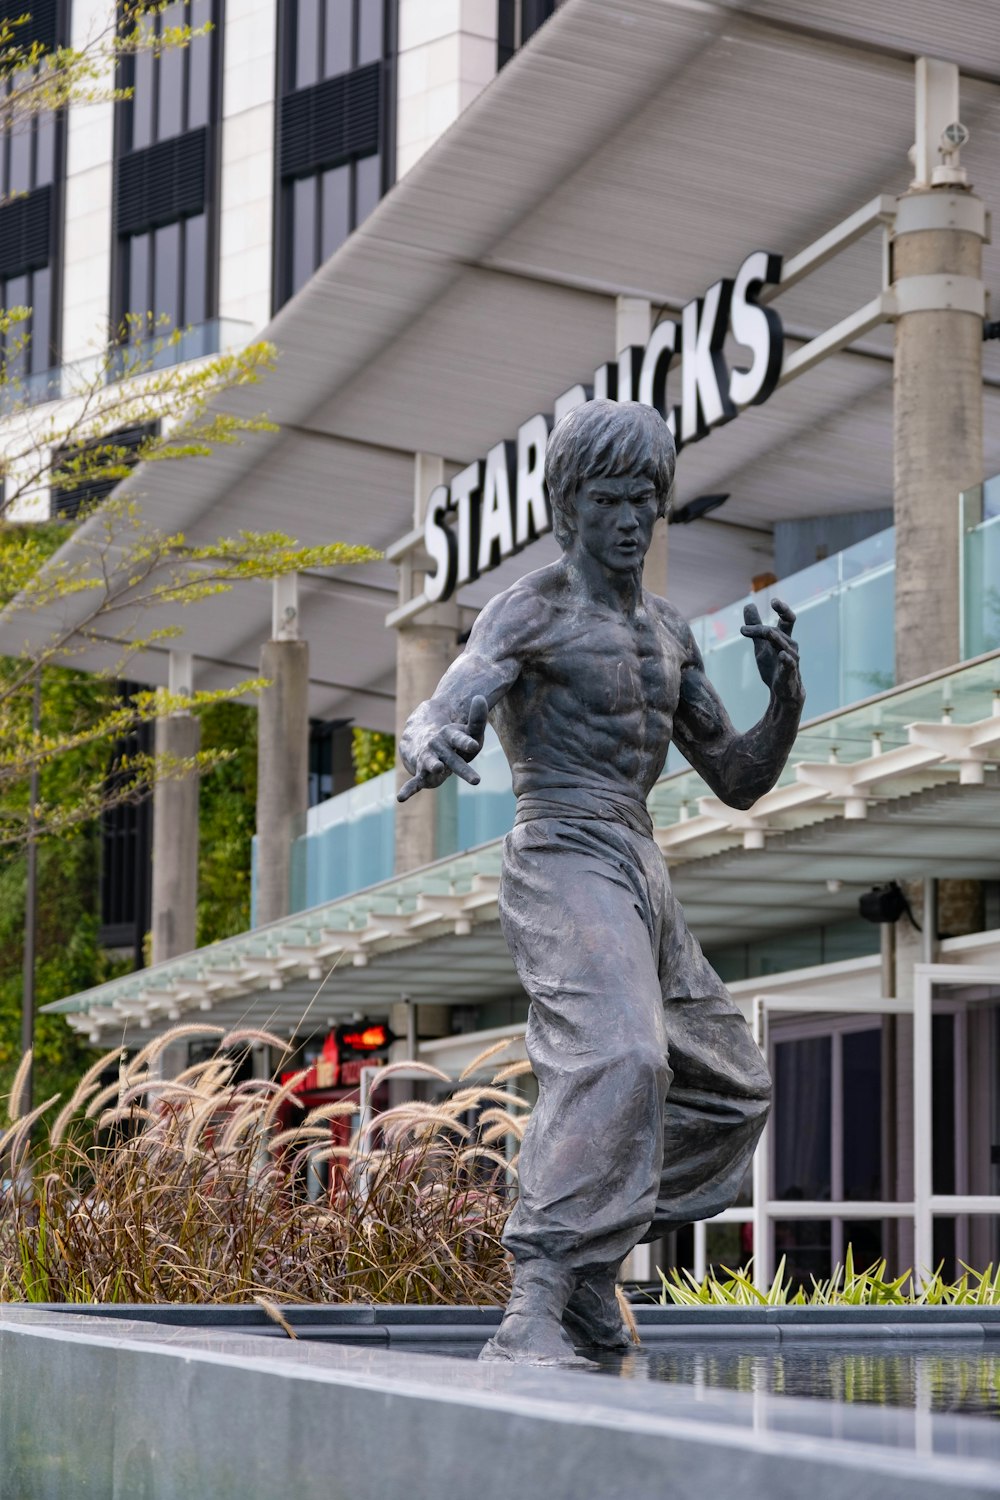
column 642, row 149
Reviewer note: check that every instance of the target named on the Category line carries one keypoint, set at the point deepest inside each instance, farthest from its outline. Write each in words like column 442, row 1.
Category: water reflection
column 932, row 1375
column 938, row 1376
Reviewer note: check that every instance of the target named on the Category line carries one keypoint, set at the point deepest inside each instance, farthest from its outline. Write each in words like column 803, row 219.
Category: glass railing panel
column 485, row 811
column 981, row 582
column 870, row 555
column 991, row 497
column 164, row 350
column 844, row 606
column 867, row 638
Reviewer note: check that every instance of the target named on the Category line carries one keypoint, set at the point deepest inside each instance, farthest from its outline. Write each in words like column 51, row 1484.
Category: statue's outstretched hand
column 777, row 654
column 448, row 750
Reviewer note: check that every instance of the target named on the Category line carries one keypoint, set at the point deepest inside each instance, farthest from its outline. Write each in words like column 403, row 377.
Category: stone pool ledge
column 124, row 1409
column 390, row 1326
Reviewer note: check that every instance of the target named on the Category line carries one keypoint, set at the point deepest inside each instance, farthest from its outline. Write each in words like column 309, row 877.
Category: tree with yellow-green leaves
column 37, row 78
column 135, row 400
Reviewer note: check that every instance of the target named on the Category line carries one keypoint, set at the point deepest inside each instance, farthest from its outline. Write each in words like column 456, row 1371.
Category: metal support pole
column 31, row 903
column 889, row 1102
column 923, row 1104
column 763, row 1253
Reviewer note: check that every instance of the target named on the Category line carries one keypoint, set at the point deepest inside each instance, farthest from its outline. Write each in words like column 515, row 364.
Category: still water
column 960, row 1376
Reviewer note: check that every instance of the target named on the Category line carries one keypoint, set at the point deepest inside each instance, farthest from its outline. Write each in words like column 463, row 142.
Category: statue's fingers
column 463, row 770
column 479, row 711
column 447, row 757
column 785, row 614
column 771, row 635
column 410, row 788
column 751, row 615
column 462, row 742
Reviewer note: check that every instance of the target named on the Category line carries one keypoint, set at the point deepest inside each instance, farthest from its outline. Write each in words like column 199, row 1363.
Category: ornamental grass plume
column 193, row 1190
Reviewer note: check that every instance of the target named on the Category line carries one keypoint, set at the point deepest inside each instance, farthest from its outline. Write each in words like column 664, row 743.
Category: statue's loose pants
column 652, row 1091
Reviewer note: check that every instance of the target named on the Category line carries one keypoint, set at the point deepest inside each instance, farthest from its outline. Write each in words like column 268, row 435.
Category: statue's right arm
column 446, row 731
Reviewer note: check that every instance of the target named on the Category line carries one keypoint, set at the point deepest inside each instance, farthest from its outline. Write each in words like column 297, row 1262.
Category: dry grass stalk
column 195, row 1190
column 483, row 1057
column 18, row 1088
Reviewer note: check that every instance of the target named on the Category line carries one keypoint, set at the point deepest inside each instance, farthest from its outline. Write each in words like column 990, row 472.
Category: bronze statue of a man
column 651, row 1090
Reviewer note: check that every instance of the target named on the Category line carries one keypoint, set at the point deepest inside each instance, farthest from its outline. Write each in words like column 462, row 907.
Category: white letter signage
column 495, row 507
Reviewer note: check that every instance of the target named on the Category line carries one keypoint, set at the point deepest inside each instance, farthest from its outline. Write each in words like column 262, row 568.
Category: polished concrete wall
column 137, row 1411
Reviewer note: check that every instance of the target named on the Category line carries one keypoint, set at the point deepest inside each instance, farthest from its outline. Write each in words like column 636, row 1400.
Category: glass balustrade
column 844, row 606
column 159, row 353
column 981, row 569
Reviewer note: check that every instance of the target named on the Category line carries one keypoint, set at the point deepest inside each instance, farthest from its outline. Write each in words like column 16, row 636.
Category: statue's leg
column 581, row 926
column 720, row 1094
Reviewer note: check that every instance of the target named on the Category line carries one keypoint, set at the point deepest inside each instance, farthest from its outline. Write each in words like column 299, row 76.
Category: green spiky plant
column 847, row 1287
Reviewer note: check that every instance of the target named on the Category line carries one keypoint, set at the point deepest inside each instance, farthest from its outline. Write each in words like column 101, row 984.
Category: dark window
column 126, row 854
column 517, row 21
column 27, row 349
column 70, row 496
column 167, row 154
column 29, row 209
column 331, row 767
column 324, row 38
column 173, row 92
column 802, row 1084
column 861, row 1108
column 166, row 273
column 335, row 195
column 334, row 128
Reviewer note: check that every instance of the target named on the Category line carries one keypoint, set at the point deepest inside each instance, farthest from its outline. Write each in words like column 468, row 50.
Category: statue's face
column 614, row 520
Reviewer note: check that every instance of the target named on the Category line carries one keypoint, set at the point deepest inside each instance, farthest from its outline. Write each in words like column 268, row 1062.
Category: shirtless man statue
column 651, row 1090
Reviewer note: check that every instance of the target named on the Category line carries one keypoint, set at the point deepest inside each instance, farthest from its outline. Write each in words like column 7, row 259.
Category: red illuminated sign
column 368, row 1036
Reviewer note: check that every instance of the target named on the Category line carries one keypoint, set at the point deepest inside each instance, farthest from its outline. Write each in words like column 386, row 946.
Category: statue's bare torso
column 593, row 704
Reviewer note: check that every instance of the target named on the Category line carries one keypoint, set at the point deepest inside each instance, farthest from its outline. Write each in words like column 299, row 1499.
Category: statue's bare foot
column 531, row 1332
column 594, row 1316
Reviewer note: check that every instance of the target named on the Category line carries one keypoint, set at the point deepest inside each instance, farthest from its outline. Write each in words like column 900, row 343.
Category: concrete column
column 447, row 55
column 282, row 756
column 175, row 826
column 424, row 652
column 937, row 377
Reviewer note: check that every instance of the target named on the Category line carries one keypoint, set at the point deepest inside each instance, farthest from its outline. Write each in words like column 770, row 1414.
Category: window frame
column 284, row 186
column 212, row 200
column 56, row 185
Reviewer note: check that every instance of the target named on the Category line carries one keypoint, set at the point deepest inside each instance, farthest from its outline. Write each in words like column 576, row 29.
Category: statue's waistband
column 576, row 804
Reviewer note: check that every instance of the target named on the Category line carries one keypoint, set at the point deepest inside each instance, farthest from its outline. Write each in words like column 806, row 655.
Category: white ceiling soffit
column 901, row 796
column 678, row 135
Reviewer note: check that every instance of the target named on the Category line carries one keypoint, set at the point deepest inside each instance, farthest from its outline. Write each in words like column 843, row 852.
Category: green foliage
column 372, row 753
column 847, row 1287
column 68, row 956
column 227, row 810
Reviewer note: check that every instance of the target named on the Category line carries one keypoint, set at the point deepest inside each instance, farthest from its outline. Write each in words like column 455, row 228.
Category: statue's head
column 606, row 440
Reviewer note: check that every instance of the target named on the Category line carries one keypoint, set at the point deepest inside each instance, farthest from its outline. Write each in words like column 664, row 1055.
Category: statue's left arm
column 740, row 768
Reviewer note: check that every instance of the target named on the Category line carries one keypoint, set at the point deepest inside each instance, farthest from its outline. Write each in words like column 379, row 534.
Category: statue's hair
column 606, row 439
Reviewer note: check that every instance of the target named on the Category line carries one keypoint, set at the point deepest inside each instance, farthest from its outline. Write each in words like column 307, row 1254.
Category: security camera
column 955, row 136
